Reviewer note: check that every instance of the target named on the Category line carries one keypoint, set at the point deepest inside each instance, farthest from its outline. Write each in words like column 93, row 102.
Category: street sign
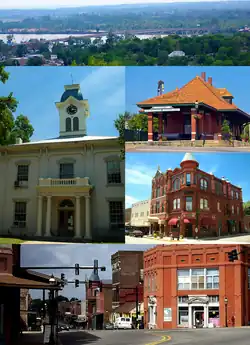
column 167, row 314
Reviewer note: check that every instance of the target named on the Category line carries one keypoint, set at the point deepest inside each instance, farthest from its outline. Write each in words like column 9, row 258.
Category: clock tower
column 73, row 111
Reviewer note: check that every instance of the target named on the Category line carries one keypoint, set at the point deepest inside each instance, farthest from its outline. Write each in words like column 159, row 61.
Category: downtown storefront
column 196, row 287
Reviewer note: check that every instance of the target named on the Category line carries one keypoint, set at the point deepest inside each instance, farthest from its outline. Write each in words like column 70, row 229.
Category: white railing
column 55, row 182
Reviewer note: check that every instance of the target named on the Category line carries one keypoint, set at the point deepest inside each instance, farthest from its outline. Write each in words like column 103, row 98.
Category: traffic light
column 77, row 269
column 77, row 283
column 63, row 279
column 233, row 255
column 103, row 269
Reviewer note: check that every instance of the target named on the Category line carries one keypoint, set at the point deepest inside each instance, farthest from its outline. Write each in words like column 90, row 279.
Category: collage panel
column 187, row 109
column 61, row 166
column 177, row 294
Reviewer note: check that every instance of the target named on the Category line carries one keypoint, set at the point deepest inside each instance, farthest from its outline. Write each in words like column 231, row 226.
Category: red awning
column 186, row 221
column 173, row 221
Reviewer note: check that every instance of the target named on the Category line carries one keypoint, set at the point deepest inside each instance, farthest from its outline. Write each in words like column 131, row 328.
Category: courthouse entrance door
column 66, row 219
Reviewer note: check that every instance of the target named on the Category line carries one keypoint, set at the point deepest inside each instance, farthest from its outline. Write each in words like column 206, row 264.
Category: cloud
column 139, row 174
column 103, row 79
column 116, row 99
column 129, row 200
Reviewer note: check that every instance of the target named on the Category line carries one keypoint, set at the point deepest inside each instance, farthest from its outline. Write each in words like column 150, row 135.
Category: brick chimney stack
column 203, row 76
column 210, row 80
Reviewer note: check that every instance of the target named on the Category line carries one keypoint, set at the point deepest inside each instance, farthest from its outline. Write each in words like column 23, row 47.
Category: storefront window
column 183, row 279
column 183, row 316
column 199, row 279
column 212, row 279
column 189, row 203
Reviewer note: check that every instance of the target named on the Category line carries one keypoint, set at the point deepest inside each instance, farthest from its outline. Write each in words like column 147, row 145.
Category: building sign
column 167, row 314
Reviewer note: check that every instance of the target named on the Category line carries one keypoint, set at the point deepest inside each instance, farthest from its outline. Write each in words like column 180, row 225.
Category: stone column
column 39, row 216
column 205, row 316
column 78, row 215
column 150, row 127
column 48, row 216
column 193, row 124
column 87, row 217
column 190, row 316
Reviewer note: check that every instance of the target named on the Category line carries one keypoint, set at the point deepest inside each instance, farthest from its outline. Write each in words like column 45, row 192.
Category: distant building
column 139, row 215
column 177, row 53
column 128, row 216
column 127, row 277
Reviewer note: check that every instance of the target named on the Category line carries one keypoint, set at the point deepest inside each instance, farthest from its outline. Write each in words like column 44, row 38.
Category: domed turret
column 73, row 91
column 189, row 161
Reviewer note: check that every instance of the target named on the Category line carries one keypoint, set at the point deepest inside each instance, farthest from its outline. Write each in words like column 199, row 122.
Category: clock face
column 72, row 109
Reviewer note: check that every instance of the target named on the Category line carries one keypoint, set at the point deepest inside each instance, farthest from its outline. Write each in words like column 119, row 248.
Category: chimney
column 210, row 80
column 203, row 76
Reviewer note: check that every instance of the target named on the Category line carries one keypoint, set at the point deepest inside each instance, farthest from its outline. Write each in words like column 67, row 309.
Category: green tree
column 226, row 131
column 140, row 122
column 35, row 61
column 120, row 126
column 21, row 50
column 22, row 129
column 246, row 208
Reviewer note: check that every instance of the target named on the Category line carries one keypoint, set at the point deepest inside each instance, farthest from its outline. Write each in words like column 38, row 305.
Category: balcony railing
column 55, row 182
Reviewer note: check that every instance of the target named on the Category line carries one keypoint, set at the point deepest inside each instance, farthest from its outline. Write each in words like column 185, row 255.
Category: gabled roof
column 196, row 90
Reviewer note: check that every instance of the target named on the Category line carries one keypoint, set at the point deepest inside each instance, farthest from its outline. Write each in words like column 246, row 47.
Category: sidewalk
column 187, row 240
column 32, row 338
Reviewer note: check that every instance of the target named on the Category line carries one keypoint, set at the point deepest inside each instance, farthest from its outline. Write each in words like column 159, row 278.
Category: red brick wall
column 165, row 261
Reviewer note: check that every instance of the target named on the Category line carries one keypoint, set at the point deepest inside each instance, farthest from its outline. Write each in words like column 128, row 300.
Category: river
column 18, row 38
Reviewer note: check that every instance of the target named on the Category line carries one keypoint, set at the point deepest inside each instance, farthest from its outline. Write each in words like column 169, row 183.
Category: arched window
column 68, row 124
column 75, row 124
column 177, row 184
column 203, row 184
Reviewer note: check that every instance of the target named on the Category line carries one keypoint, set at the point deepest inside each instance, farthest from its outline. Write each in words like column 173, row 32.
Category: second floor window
column 232, row 194
column 66, row 170
column 157, row 207
column 177, row 184
column 218, row 206
column 114, row 171
column 238, row 210
column 189, row 203
column 198, row 279
column 203, row 204
column 188, row 179
column 236, row 195
column 22, row 173
column 233, row 209
column 203, row 184
column 158, row 192
column 176, row 204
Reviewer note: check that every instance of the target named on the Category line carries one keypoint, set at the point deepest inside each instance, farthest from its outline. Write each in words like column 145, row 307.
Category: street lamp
column 226, row 304
column 52, row 282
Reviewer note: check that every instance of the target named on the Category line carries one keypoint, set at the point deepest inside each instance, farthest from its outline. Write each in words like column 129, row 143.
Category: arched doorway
column 66, row 219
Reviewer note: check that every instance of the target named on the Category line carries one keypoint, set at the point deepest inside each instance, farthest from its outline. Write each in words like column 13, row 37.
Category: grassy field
column 10, row 241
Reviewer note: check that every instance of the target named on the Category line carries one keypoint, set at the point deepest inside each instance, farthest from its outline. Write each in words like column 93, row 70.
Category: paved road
column 220, row 336
column 146, row 240
column 116, row 337
column 156, row 148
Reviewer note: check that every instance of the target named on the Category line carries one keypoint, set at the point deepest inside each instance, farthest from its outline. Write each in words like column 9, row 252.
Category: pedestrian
column 204, row 139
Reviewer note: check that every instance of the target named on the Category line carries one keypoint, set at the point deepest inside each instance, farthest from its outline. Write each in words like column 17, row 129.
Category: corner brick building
column 196, row 108
column 193, row 202
column 196, row 286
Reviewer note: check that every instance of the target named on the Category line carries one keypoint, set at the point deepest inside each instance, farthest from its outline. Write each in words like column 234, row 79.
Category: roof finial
column 158, row 168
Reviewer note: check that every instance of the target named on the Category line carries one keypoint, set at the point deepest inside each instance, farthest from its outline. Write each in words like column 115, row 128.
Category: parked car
column 123, row 323
column 137, row 233
column 63, row 328
column 108, row 325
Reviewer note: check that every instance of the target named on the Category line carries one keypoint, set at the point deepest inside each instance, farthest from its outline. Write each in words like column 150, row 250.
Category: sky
column 38, row 88
column 74, row 3
column 142, row 167
column 141, row 82
column 68, row 255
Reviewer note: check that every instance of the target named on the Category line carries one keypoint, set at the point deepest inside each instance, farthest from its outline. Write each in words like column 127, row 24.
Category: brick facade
column 216, row 204
column 224, row 301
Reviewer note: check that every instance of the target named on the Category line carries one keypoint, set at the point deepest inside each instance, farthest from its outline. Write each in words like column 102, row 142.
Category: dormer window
column 228, row 99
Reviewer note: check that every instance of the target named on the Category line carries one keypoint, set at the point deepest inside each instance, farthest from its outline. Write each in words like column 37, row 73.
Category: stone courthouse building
column 70, row 187
column 194, row 111
column 194, row 203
